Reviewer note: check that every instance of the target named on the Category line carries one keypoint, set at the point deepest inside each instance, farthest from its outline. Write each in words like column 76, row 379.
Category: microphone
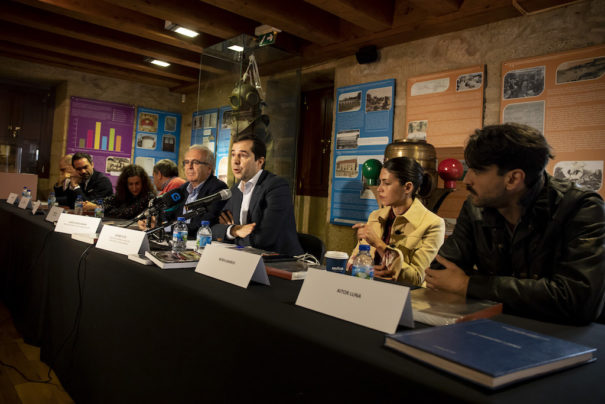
column 222, row 195
column 159, row 203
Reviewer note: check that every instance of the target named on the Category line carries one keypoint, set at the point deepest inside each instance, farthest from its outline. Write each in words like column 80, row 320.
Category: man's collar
column 191, row 188
column 250, row 183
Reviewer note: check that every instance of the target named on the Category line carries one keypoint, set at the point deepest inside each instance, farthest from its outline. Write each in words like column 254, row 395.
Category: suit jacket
column 211, row 186
column 272, row 211
column 97, row 188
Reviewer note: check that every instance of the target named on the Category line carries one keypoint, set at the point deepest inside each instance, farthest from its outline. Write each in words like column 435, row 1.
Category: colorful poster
column 157, row 137
column 103, row 130
column 204, row 128
column 223, row 142
column 563, row 96
column 444, row 108
column 364, row 127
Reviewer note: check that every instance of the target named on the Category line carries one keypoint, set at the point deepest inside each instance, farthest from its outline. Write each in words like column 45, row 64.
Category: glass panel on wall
column 241, row 90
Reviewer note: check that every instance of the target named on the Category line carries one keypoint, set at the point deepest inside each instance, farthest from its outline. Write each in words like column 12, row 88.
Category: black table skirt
column 116, row 331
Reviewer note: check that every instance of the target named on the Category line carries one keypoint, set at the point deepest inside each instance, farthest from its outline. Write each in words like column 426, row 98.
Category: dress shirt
column 247, row 188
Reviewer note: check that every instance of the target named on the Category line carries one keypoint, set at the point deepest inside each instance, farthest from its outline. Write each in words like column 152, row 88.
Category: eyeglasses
column 194, row 162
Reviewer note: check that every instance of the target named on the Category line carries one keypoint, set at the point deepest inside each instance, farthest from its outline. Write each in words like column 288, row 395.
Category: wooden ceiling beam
column 74, row 48
column 193, row 14
column 374, row 16
column 65, row 26
column 44, row 57
column 121, row 19
column 292, row 16
column 437, row 7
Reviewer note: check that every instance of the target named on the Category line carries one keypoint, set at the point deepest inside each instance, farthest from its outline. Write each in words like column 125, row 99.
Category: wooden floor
column 14, row 389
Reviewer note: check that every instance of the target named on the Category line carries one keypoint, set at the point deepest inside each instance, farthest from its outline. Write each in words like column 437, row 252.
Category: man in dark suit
column 260, row 212
column 199, row 167
column 89, row 183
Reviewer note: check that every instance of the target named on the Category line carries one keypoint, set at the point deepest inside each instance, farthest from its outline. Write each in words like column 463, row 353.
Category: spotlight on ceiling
column 158, row 62
column 170, row 26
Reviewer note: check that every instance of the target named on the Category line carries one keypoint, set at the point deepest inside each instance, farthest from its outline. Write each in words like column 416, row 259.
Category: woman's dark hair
column 509, row 146
column 406, row 170
column 132, row 170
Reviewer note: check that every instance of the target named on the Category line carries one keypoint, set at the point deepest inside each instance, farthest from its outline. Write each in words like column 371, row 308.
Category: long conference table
column 116, row 331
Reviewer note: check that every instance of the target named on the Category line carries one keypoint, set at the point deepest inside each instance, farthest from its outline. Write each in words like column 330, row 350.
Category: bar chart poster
column 364, row 127
column 223, row 142
column 157, row 137
column 104, row 130
column 204, row 128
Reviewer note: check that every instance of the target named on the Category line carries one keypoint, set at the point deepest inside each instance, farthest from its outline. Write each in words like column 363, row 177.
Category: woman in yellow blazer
column 404, row 236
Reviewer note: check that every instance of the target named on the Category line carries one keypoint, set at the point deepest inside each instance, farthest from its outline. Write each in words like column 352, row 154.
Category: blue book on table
column 490, row 353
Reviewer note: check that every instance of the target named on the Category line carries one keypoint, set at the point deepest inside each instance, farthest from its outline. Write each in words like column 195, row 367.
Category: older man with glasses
column 198, row 165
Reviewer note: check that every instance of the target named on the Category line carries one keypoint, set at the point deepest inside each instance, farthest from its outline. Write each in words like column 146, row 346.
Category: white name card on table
column 378, row 305
column 123, row 241
column 232, row 265
column 12, row 197
column 71, row 224
column 35, row 207
column 24, row 202
column 53, row 214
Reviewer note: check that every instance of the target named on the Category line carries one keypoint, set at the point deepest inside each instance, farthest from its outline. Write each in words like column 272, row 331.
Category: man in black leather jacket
column 523, row 238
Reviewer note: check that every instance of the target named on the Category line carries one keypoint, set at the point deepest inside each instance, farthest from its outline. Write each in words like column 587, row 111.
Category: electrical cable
column 76, row 324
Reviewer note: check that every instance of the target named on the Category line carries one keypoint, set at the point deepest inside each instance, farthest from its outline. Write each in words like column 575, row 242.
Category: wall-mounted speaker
column 366, row 54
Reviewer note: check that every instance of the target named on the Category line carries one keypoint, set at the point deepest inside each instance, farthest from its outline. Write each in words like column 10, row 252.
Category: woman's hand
column 381, row 271
column 365, row 232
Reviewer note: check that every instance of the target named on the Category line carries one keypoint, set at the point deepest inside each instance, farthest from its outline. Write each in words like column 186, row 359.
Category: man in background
column 60, row 188
column 260, row 212
column 89, row 183
column 166, row 176
column 523, row 238
column 201, row 182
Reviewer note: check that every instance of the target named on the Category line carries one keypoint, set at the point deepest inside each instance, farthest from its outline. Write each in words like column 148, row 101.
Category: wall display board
column 562, row 95
column 204, row 128
column 103, row 130
column 222, row 143
column 364, row 127
column 445, row 108
column 158, row 135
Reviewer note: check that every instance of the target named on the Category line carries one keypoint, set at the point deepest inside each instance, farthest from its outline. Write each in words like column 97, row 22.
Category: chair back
column 312, row 245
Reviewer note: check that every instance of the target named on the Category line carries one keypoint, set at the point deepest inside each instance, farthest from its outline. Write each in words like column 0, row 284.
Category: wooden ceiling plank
column 57, row 60
column 118, row 18
column 373, row 16
column 74, row 48
column 65, row 26
column 293, row 16
column 437, row 7
column 193, row 14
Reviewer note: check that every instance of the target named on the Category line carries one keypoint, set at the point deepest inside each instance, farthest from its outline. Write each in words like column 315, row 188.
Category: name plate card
column 71, row 224
column 233, row 266
column 24, row 202
column 378, row 305
column 53, row 214
column 35, row 207
column 12, row 197
column 123, row 241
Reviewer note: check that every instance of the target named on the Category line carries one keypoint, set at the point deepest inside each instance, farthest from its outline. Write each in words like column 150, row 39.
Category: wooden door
column 314, row 143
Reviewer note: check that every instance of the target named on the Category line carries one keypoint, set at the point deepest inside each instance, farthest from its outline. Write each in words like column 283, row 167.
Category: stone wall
column 577, row 26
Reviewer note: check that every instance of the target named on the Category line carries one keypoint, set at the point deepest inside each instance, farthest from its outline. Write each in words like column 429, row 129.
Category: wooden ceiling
column 115, row 37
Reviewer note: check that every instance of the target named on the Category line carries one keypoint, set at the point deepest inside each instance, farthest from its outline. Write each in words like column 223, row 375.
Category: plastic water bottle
column 363, row 265
column 52, row 200
column 79, row 205
column 24, row 192
column 204, row 236
column 28, row 193
column 179, row 235
column 99, row 209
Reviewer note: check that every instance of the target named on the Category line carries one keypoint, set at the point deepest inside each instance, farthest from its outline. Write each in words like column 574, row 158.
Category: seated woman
column 133, row 192
column 404, row 236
